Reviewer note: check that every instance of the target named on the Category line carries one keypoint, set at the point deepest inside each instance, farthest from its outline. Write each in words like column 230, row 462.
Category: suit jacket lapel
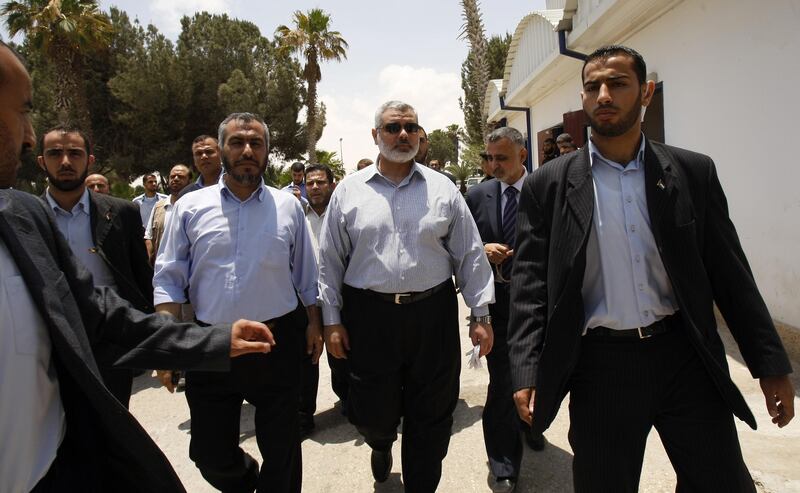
column 100, row 215
column 660, row 183
column 580, row 197
column 493, row 209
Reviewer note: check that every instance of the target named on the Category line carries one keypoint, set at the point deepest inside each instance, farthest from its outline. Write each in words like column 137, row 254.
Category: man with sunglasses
column 394, row 236
column 493, row 204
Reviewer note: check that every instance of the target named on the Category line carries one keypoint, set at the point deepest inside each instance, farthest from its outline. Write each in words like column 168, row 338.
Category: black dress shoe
column 535, row 442
column 381, row 462
column 504, row 485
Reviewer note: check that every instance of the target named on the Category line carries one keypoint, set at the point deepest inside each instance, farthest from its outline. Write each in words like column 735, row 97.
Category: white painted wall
column 731, row 90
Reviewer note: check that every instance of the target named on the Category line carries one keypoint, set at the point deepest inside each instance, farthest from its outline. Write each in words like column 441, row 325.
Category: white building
column 728, row 86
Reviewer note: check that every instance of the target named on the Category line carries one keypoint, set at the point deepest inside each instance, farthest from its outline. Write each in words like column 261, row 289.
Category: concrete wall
column 731, row 88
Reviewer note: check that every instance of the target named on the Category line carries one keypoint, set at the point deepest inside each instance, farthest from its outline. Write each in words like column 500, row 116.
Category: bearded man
column 388, row 300
column 239, row 247
column 105, row 233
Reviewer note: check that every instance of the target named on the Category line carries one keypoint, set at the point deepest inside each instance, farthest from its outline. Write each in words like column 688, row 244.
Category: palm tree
column 312, row 40
column 62, row 31
column 331, row 159
column 477, row 64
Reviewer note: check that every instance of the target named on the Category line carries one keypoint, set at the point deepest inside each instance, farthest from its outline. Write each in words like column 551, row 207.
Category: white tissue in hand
column 475, row 358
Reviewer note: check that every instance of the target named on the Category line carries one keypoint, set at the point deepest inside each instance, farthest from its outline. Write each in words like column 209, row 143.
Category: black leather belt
column 656, row 328
column 406, row 298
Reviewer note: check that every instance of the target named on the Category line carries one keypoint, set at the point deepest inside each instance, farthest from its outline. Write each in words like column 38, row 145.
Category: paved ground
column 337, row 460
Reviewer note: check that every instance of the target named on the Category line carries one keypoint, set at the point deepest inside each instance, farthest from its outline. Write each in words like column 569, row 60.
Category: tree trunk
column 311, row 120
column 70, row 93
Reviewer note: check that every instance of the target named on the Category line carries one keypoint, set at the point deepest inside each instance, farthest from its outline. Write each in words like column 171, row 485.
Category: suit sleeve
column 528, row 308
column 735, row 290
column 149, row 340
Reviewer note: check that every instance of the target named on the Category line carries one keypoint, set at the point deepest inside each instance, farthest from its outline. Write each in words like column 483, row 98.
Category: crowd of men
column 591, row 276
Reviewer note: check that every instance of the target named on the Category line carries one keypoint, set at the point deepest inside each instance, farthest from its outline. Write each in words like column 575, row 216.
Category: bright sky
column 398, row 50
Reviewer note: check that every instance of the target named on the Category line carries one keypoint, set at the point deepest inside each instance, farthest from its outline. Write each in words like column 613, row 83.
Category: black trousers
column 501, row 425
column 309, row 386
column 271, row 383
column 405, row 362
column 622, row 388
column 339, row 377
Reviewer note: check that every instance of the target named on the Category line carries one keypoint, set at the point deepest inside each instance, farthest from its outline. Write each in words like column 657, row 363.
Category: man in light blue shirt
column 394, row 236
column 243, row 250
column 149, row 198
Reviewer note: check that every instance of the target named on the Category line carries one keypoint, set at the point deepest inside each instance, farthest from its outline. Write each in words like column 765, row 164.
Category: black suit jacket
column 483, row 201
column 698, row 245
column 80, row 319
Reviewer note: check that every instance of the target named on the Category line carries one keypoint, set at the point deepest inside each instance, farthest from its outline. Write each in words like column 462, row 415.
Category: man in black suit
column 58, row 421
column 100, row 229
column 623, row 249
column 493, row 204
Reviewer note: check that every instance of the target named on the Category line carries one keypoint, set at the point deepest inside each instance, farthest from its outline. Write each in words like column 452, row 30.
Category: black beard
column 67, row 185
column 626, row 123
column 241, row 178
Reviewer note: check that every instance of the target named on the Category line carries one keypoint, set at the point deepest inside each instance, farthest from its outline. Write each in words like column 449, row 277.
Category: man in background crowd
column 549, row 150
column 298, row 184
column 98, row 183
column 206, row 161
column 148, row 199
column 179, row 177
column 422, row 153
column 363, row 163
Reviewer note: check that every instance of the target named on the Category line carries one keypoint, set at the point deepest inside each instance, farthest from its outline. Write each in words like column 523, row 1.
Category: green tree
column 467, row 166
column 333, row 161
column 474, row 72
column 313, row 40
column 496, row 55
column 63, row 31
column 442, row 146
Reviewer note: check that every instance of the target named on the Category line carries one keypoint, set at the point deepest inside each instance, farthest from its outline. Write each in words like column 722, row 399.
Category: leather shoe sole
column 506, row 485
column 381, row 463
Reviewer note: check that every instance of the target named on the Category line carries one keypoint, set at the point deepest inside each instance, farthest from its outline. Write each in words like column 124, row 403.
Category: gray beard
column 397, row 156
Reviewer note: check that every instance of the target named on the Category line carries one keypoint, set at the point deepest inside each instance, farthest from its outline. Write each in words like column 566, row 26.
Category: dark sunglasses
column 394, row 128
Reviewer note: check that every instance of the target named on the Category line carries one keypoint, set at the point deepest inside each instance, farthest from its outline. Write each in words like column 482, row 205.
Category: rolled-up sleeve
column 473, row 273
column 304, row 262
column 172, row 266
column 334, row 249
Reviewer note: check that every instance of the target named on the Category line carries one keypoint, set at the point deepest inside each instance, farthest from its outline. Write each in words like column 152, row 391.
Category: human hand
column 497, row 253
column 336, row 340
column 165, row 377
column 314, row 341
column 250, row 337
column 524, row 399
column 779, row 393
column 481, row 333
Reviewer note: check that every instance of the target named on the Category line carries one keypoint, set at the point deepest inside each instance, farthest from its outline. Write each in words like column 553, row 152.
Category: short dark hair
column 606, row 52
column 550, row 139
column 148, row 175
column 298, row 166
column 66, row 128
column 320, row 167
column 202, row 138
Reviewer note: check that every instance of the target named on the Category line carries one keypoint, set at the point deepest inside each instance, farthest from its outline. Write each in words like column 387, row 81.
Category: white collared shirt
column 32, row 422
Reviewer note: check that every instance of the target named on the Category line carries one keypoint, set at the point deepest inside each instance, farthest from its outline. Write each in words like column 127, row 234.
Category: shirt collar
column 81, row 206
column 258, row 193
column 416, row 169
column 517, row 184
column 635, row 164
column 310, row 211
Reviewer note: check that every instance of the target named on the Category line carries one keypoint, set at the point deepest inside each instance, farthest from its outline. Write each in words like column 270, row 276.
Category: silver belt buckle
column 399, row 296
column 643, row 336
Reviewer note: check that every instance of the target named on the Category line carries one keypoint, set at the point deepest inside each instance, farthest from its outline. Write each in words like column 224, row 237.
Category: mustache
column 605, row 108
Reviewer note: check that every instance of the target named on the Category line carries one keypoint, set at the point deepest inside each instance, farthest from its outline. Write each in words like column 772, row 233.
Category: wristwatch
column 483, row 319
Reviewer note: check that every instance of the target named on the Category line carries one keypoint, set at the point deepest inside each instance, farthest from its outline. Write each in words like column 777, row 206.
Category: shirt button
column 638, row 259
column 646, row 313
column 633, row 228
column 629, row 199
column 641, row 287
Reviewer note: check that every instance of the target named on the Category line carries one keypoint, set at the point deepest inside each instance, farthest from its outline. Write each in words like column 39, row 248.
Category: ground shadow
column 547, row 471
column 332, row 428
column 143, row 382
column 392, row 485
column 465, row 416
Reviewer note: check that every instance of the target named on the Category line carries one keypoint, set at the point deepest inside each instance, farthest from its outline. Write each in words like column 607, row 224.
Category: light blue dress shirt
column 399, row 238
column 146, row 205
column 76, row 226
column 625, row 284
column 238, row 259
